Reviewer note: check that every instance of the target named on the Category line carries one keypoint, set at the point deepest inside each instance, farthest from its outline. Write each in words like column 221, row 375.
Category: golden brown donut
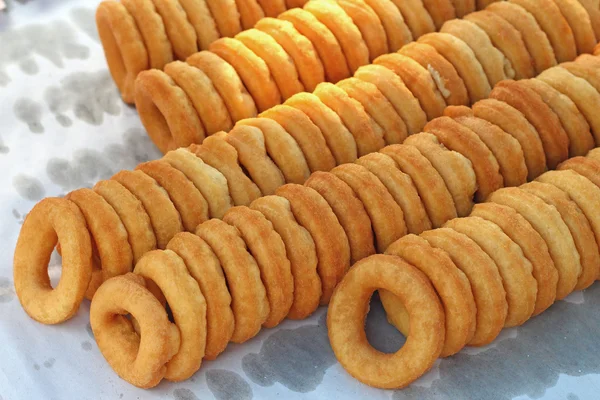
column 594, row 154
column 440, row 11
column 416, row 16
column 585, row 166
column 180, row 31
column 314, row 214
column 166, row 111
column 249, row 303
column 295, row 3
column 268, row 250
column 227, row 83
column 301, row 251
column 369, row 25
column 463, row 140
column 585, row 70
column 397, row 32
column 349, row 211
column 580, row 23
column 593, row 9
column 458, row 111
column 273, row 8
column 250, row 12
column 464, row 7
column 226, row 15
column 201, row 18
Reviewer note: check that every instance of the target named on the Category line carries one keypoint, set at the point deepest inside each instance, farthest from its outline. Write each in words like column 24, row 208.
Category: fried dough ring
column 394, row 89
column 463, row 140
column 166, row 111
column 492, row 60
column 209, row 181
column 308, row 64
column 282, row 148
column 534, row 247
column 339, row 139
column 180, row 31
column 227, row 82
column 464, row 60
column 456, row 170
column 578, row 225
column 447, row 80
column 429, row 183
column 514, row 268
column 123, row 46
column 548, row 222
column 585, row 166
column 369, row 25
column 506, row 149
column 202, row 93
column 204, row 266
column 349, row 210
column 249, row 142
column 587, row 71
column 574, row 123
column 554, row 24
column 250, row 13
column 367, row 133
column 166, row 221
column 314, row 214
column 416, row 17
column 272, row 8
column 464, row 7
column 226, row 15
column 513, row 122
column 397, row 32
column 540, row 115
column 458, row 111
column 378, row 107
column 308, row 136
column 484, row 279
column 593, row 9
column 249, row 303
column 202, row 20
column 594, row 154
column 138, row 359
column 418, row 79
column 268, row 250
column 386, row 215
column 50, row 221
column 280, row 64
column 346, row 320
column 580, row 23
column 325, row 43
column 402, row 189
column 440, row 11
column 301, row 251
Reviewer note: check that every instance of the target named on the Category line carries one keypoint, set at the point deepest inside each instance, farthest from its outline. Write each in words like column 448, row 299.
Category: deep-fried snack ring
column 339, row 139
column 418, row 79
column 492, row 60
column 250, row 12
column 211, row 183
column 325, row 43
column 428, row 181
column 333, row 251
column 548, row 222
column 597, row 50
column 346, row 320
column 280, row 64
column 269, row 251
column 227, row 82
column 272, row 8
column 368, row 23
column 166, row 221
column 249, row 303
column 594, row 154
column 368, row 135
column 301, row 251
column 574, row 123
column 483, row 275
column 204, row 266
column 506, row 149
column 580, row 23
column 249, row 142
column 535, row 39
column 440, row 11
column 49, row 221
column 123, row 46
column 349, row 211
column 402, row 189
column 189, row 202
column 507, row 39
column 226, row 15
column 514, row 268
column 534, row 247
column 551, row 20
column 593, row 9
column 513, row 122
column 387, row 218
column 166, row 111
column 450, row 283
column 447, row 80
column 397, row 32
column 216, row 152
column 378, row 107
column 464, row 60
column 453, row 167
column 201, row 18
column 299, row 48
column 392, row 87
column 540, row 115
column 308, row 136
column 580, row 228
column 587, row 71
column 180, row 31
column 204, row 97
column 416, row 17
column 585, row 166
column 138, row 359
column 458, row 111
column 463, row 140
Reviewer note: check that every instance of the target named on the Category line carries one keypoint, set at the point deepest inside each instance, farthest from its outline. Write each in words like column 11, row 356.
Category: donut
column 226, row 15
column 440, row 11
column 368, row 23
column 202, row 20
column 180, row 31
column 416, row 16
column 579, row 20
column 397, row 32
column 250, row 12
column 585, row 166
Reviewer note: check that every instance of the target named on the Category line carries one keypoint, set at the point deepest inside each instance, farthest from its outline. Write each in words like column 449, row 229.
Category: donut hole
column 381, row 334
column 55, row 267
column 154, row 120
